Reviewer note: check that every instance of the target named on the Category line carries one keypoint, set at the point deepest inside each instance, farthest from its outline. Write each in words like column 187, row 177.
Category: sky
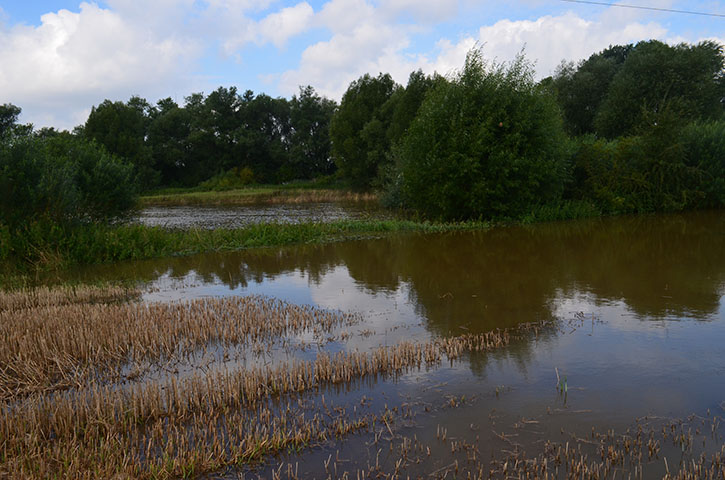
column 59, row 58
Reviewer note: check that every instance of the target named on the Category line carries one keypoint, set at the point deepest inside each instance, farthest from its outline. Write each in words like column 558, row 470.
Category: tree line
column 634, row 128
column 637, row 127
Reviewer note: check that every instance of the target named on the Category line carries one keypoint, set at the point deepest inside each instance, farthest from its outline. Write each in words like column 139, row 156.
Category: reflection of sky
column 210, row 217
column 622, row 365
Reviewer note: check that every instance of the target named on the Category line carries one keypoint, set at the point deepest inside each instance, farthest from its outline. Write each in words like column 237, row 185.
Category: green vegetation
column 646, row 126
column 61, row 179
column 47, row 245
column 486, row 144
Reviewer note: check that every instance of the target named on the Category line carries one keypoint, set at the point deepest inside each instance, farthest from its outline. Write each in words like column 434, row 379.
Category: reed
column 257, row 196
column 44, row 296
column 180, row 427
column 59, row 344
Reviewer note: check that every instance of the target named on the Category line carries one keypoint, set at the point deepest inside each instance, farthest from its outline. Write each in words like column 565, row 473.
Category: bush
column 487, row 144
column 62, row 179
column 665, row 167
column 704, row 147
column 235, row 178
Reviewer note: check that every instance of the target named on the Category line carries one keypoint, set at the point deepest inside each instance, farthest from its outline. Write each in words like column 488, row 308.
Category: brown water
column 640, row 305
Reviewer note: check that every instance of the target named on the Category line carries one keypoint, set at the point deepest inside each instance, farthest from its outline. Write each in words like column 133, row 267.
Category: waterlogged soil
column 209, row 217
column 628, row 377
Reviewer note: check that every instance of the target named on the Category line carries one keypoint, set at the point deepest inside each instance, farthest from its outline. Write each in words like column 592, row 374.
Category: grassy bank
column 42, row 246
column 253, row 195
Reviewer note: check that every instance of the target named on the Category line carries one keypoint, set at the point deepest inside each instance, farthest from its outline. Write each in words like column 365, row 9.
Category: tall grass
column 43, row 245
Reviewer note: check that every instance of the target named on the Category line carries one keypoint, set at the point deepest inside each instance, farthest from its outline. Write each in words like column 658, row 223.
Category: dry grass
column 256, row 197
column 178, row 427
column 63, row 295
column 59, row 346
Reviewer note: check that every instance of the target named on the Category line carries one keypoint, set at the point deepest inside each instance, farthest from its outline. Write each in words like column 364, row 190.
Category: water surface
column 640, row 304
column 208, row 217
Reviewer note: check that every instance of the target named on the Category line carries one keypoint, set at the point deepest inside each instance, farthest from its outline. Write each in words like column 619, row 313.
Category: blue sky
column 59, row 58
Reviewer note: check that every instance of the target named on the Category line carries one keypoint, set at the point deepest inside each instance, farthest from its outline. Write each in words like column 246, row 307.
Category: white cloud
column 74, row 60
column 373, row 46
column 548, row 40
column 279, row 27
column 422, row 10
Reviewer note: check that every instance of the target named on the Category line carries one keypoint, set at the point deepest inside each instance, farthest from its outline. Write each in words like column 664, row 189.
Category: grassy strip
column 44, row 246
column 254, row 195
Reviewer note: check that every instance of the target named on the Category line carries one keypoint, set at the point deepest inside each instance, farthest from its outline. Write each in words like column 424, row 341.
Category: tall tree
column 581, row 89
column 310, row 116
column 122, row 128
column 687, row 79
column 359, row 129
column 9, row 114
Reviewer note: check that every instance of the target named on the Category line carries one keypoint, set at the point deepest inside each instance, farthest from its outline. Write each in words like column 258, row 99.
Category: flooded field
column 239, row 216
column 588, row 349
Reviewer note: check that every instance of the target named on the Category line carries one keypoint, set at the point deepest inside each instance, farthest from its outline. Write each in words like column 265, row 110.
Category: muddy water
column 640, row 339
column 240, row 216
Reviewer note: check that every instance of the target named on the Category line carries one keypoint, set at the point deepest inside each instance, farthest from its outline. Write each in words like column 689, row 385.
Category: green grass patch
column 43, row 246
column 569, row 210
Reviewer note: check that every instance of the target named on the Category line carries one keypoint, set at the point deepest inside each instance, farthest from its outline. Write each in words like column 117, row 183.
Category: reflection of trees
column 476, row 281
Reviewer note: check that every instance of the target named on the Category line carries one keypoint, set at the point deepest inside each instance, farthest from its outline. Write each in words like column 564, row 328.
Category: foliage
column 63, row 179
column 704, row 147
column 9, row 114
column 358, row 130
column 581, row 89
column 235, row 178
column 685, row 79
column 406, row 102
column 122, row 129
column 309, row 150
column 663, row 168
column 614, row 91
column 488, row 143
column 48, row 245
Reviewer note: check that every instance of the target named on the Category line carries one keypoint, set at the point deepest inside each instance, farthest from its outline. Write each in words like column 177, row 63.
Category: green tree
column 488, row 143
column 168, row 139
column 310, row 116
column 122, row 129
column 9, row 114
column 358, row 130
column 687, row 79
column 407, row 101
column 581, row 89
column 63, row 179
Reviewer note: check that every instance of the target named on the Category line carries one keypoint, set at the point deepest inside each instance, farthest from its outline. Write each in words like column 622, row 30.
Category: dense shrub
column 61, row 179
column 665, row 167
column 488, row 143
column 704, row 147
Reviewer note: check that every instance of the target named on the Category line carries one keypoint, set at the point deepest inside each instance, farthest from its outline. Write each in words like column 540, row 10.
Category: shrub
column 665, row 167
column 488, row 143
column 62, row 179
column 704, row 147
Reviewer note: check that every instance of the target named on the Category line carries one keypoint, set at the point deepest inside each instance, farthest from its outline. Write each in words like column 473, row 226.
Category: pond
column 629, row 347
column 207, row 217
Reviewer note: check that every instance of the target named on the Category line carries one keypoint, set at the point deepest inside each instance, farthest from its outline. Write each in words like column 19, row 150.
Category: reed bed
column 257, row 197
column 199, row 423
column 52, row 346
column 44, row 296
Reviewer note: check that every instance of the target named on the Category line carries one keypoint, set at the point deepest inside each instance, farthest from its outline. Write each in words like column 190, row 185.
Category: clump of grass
column 57, row 343
column 44, row 246
column 568, row 210
column 44, row 296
